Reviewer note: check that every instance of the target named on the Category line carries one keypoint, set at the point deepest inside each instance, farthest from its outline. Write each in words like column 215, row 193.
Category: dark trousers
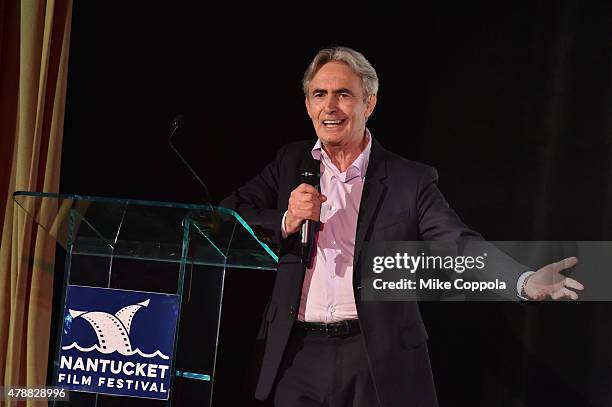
column 318, row 371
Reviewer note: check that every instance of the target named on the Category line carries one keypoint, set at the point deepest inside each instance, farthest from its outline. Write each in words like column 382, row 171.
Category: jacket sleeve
column 437, row 221
column 258, row 203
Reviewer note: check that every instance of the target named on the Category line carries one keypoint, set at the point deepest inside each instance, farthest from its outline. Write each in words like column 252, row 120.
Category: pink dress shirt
column 327, row 292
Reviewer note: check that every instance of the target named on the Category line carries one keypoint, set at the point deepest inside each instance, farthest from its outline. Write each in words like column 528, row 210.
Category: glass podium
column 122, row 256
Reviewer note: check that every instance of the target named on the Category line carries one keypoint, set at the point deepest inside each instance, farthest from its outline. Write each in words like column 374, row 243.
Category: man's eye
column 317, row 95
column 344, row 95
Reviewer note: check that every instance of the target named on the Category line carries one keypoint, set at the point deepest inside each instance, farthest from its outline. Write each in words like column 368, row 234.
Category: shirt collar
column 357, row 167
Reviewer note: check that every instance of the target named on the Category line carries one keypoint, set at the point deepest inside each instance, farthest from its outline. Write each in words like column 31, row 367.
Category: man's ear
column 371, row 103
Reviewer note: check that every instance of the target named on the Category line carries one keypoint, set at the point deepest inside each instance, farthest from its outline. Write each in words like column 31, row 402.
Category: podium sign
column 107, row 346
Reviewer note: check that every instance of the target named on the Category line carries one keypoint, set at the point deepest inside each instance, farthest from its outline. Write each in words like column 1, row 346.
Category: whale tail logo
column 112, row 330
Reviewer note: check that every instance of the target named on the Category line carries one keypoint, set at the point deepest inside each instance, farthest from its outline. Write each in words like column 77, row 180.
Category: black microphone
column 177, row 125
column 309, row 174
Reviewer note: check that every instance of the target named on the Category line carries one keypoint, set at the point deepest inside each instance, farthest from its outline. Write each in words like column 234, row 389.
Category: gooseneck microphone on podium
column 310, row 173
column 177, row 124
column 212, row 220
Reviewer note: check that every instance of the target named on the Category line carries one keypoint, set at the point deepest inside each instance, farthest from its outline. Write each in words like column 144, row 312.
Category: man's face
column 336, row 105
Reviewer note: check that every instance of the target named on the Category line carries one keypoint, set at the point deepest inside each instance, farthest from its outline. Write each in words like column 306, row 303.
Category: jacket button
column 292, row 310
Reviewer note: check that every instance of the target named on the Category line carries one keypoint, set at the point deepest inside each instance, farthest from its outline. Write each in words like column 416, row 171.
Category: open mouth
column 333, row 123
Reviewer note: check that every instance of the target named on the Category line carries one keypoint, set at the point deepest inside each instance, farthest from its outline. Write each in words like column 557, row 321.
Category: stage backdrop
column 512, row 105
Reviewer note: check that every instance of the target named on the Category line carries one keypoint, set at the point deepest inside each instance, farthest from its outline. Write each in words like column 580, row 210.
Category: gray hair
column 355, row 60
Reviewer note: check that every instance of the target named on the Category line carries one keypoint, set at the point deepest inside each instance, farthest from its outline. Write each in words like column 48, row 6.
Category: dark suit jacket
column 400, row 201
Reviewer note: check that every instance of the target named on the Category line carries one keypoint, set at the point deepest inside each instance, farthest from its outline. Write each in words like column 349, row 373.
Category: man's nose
column 331, row 104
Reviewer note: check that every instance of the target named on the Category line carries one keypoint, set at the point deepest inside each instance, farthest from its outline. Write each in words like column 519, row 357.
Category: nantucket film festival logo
column 117, row 342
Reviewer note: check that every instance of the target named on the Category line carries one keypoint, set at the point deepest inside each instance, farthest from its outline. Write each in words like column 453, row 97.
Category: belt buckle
column 340, row 328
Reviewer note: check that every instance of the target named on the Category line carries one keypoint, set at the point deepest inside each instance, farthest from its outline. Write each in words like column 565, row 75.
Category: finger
column 304, row 198
column 306, row 207
column 309, row 196
column 301, row 216
column 312, row 199
column 564, row 264
column 573, row 284
column 302, row 211
column 303, row 187
column 564, row 293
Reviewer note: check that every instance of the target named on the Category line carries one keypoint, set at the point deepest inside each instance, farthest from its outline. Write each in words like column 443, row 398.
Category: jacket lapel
column 371, row 197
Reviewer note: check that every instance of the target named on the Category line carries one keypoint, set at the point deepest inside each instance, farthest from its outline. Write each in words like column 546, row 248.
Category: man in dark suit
column 324, row 346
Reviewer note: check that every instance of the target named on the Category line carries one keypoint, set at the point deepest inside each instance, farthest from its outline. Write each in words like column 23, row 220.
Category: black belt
column 334, row 329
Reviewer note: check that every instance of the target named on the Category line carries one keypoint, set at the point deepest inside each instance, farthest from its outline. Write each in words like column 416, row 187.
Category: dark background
column 511, row 102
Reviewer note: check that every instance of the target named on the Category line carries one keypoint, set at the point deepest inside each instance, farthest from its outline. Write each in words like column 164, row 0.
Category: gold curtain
column 34, row 43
